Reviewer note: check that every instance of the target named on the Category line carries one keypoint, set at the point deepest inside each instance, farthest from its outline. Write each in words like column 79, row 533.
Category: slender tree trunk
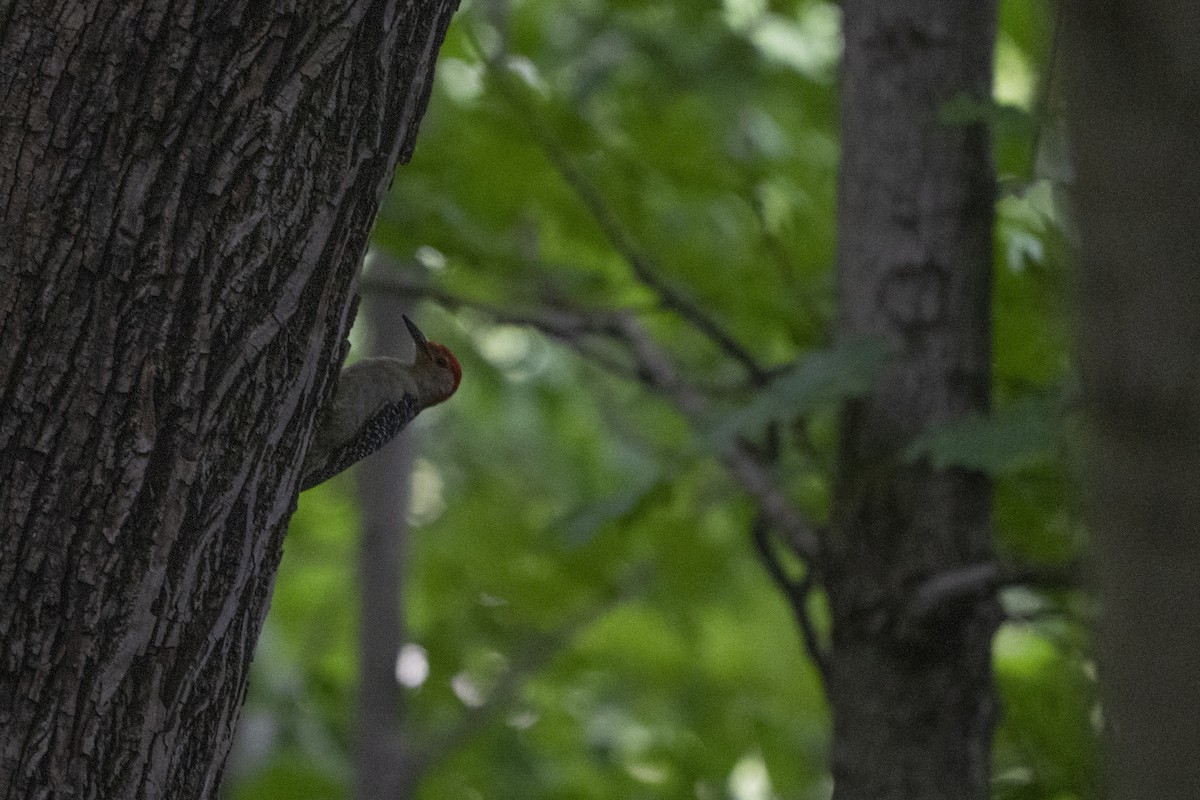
column 185, row 194
column 1134, row 113
column 384, row 762
column 912, row 699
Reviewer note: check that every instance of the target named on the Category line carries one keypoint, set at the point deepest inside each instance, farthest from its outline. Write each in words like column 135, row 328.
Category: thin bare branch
column 568, row 325
column 656, row 370
column 980, row 580
column 796, row 592
column 578, row 329
column 618, row 236
column 654, row 363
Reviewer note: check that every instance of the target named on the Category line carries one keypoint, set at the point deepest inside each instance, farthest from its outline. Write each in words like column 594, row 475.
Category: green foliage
column 578, row 562
column 821, row 379
column 291, row 775
column 1047, row 746
column 1002, row 118
column 1020, row 435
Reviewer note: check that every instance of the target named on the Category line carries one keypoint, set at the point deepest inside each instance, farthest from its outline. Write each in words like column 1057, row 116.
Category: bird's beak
column 418, row 337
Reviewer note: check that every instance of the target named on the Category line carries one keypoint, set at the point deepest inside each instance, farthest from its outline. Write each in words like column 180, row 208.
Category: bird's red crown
column 442, row 357
column 437, row 354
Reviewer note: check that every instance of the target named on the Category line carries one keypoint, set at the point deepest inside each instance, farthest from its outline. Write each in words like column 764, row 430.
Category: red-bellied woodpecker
column 375, row 399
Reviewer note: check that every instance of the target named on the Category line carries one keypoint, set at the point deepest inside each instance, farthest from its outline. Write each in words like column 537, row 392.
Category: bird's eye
column 441, row 362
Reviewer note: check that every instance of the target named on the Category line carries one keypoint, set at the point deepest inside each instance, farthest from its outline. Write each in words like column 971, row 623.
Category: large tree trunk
column 1134, row 101
column 186, row 192
column 912, row 699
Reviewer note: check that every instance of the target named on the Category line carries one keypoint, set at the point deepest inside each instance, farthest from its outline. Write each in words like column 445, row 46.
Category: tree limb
column 656, row 370
column 796, row 592
column 657, row 367
column 969, row 583
column 621, row 240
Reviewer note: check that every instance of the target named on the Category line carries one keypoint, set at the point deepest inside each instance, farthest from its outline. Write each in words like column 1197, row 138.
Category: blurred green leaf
column 818, row 379
column 962, row 109
column 1023, row 434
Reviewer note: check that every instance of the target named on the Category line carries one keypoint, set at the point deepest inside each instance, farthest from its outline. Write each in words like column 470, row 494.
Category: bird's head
column 438, row 371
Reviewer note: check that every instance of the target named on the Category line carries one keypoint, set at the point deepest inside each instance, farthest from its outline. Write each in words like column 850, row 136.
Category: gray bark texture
column 1133, row 92
column 186, row 189
column 912, row 699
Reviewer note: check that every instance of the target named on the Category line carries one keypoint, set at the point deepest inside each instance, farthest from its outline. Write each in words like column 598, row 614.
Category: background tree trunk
column 912, row 700
column 384, row 759
column 1134, row 113
column 187, row 191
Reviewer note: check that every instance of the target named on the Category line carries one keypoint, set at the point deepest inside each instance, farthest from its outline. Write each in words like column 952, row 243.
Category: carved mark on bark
column 913, row 296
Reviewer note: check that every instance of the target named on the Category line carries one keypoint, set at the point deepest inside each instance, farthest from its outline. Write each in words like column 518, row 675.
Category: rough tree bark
column 912, row 699
column 1133, row 83
column 185, row 194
